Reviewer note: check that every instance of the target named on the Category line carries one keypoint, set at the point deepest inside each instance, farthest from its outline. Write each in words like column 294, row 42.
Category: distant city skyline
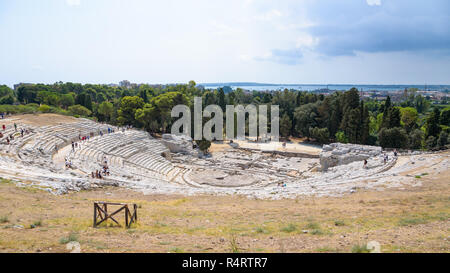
column 368, row 42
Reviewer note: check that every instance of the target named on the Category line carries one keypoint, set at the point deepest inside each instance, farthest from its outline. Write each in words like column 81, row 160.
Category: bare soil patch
column 412, row 220
column 38, row 119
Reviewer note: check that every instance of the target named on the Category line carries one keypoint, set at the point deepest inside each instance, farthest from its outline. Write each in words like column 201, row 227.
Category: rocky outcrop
column 337, row 154
column 178, row 143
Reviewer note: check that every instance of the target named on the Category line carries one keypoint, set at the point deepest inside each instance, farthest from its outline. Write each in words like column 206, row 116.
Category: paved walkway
column 278, row 146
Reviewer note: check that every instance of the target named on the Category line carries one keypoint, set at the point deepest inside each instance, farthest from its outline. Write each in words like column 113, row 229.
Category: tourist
column 4, row 127
column 15, row 127
column 7, row 140
column 92, row 174
column 73, row 146
column 395, row 152
column 365, row 164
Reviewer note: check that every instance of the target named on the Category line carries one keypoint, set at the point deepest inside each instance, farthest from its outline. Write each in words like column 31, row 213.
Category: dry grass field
column 408, row 220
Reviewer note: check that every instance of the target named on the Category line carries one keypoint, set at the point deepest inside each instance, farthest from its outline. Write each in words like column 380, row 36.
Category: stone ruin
column 178, row 143
column 337, row 154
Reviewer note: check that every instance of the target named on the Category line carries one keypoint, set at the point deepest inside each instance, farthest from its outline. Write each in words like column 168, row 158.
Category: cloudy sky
column 298, row 41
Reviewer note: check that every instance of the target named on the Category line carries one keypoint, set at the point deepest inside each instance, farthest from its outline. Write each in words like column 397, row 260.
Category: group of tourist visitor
column 11, row 136
column 110, row 131
column 384, row 156
column 68, row 163
column 99, row 174
column 103, row 172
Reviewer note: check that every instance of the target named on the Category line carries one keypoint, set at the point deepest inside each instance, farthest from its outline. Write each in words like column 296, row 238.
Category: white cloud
column 305, row 40
column 269, row 16
column 373, row 2
column 73, row 2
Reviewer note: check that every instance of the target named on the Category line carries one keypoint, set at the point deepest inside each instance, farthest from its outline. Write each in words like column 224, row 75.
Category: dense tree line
column 342, row 116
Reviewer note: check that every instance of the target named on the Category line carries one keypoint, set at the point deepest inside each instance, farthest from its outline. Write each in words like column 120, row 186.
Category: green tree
column 66, row 100
column 393, row 138
column 105, row 110
column 321, row 135
column 432, row 123
column 305, row 117
column 144, row 95
column 79, row 110
column 85, row 100
column 409, row 117
column 416, row 139
column 365, row 124
column 127, row 110
column 148, row 118
column 222, row 102
column 443, row 139
column 285, row 125
column 445, row 117
column 431, row 142
column 6, row 95
column 393, row 119
column 162, row 106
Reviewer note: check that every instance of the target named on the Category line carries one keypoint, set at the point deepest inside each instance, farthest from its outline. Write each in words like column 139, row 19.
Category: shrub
column 203, row 145
column 409, row 221
column 261, row 230
column 4, row 219
column 176, row 250
column 289, row 228
column 44, row 108
column 312, row 225
column 73, row 237
column 233, row 244
column 340, row 137
column 360, row 249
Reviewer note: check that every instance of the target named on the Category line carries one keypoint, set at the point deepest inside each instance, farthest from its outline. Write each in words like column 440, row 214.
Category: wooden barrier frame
column 101, row 211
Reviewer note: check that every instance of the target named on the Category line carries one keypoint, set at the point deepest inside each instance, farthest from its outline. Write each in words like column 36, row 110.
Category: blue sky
column 301, row 41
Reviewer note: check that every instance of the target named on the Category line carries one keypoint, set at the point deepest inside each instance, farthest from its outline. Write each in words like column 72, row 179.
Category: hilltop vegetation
column 411, row 123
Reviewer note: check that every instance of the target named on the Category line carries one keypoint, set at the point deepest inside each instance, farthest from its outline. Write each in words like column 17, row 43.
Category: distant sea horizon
column 253, row 86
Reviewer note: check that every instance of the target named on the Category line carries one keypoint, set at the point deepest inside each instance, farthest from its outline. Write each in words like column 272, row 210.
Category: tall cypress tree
column 386, row 109
column 364, row 131
column 432, row 123
column 222, row 102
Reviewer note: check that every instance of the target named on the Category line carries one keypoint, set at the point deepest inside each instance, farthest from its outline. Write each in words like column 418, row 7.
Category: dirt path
column 278, row 146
